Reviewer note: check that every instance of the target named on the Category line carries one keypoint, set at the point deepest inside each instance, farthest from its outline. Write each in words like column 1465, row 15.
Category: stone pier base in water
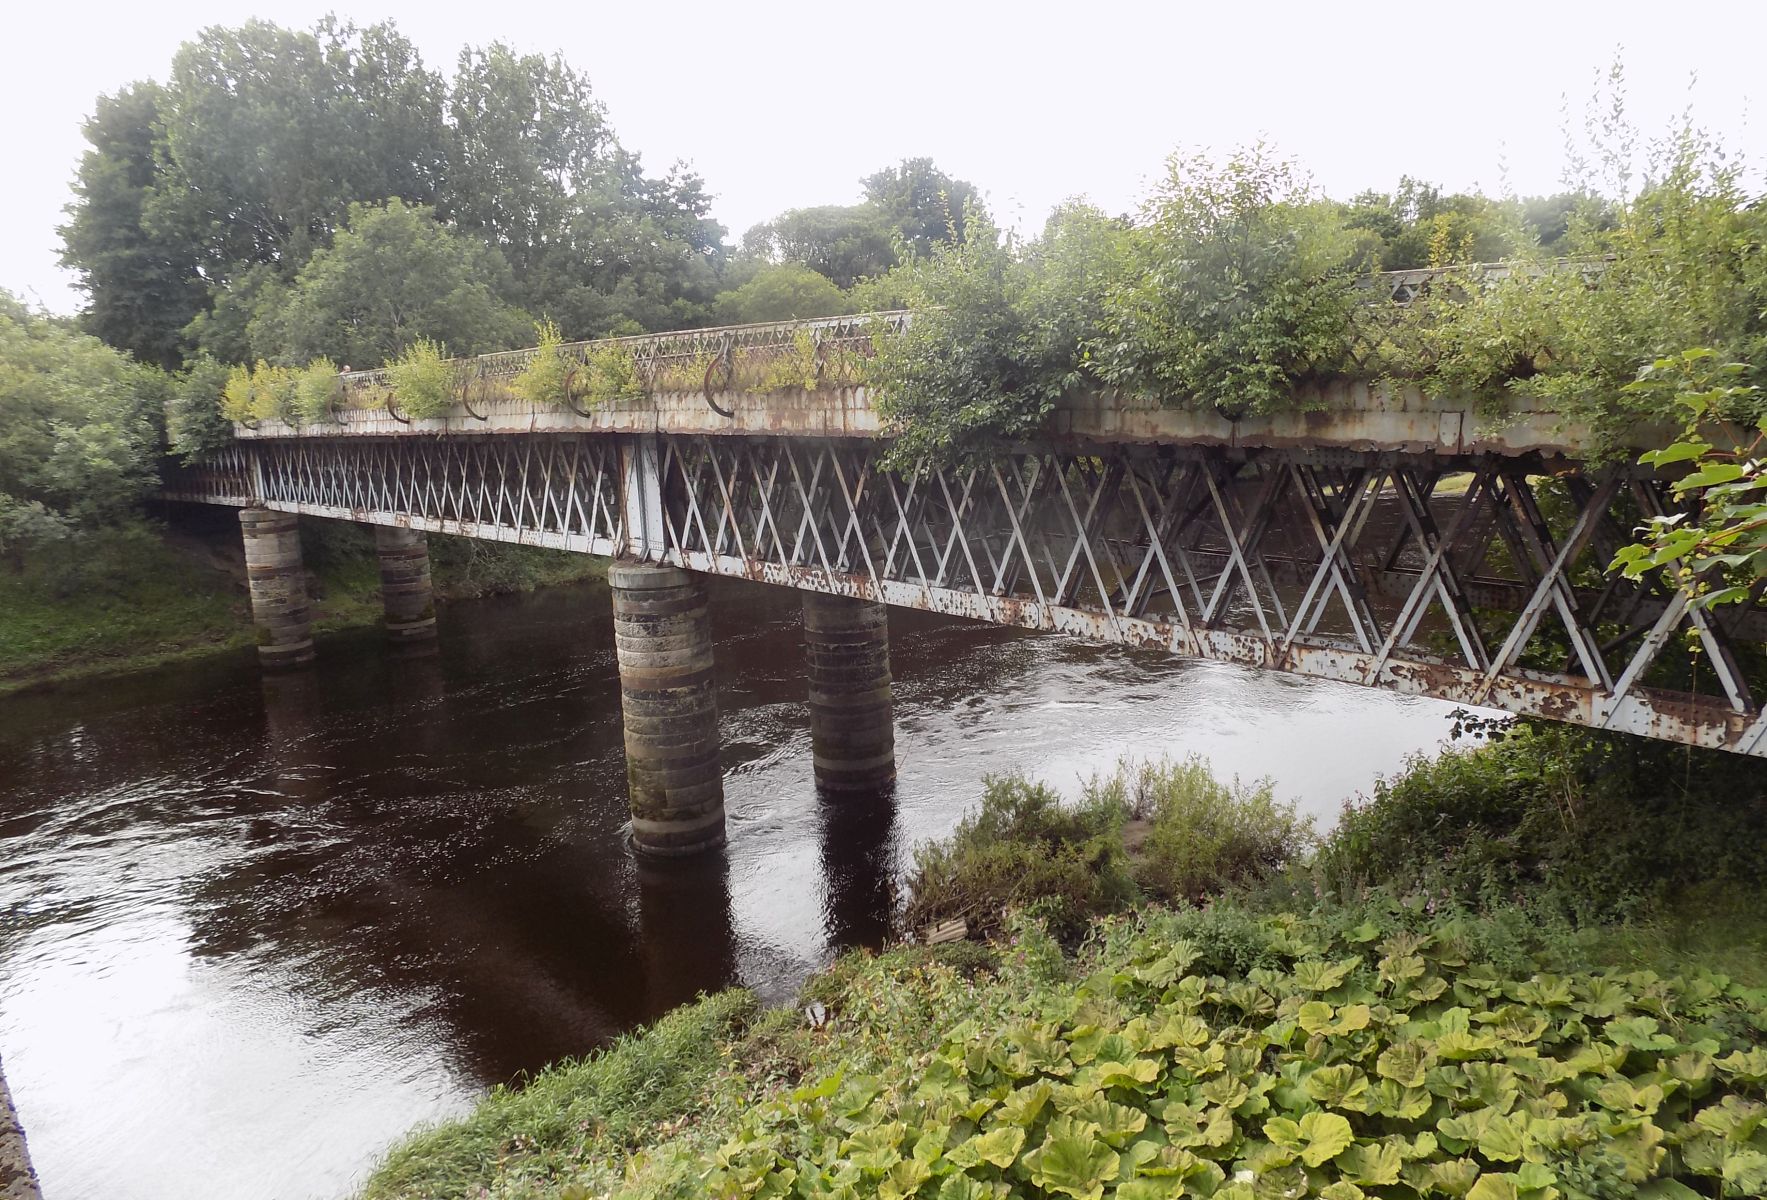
column 663, row 635
column 405, row 587
column 852, row 722
column 17, row 1180
column 278, row 584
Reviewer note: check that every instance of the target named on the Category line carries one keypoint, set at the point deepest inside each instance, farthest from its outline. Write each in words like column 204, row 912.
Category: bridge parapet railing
column 810, row 377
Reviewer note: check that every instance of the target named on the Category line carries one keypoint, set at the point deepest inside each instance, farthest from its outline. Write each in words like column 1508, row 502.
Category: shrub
column 997, row 335
column 1023, row 847
column 425, row 381
column 1163, row 830
column 611, row 374
column 542, row 382
column 236, row 395
column 1596, row 825
column 554, row 377
column 1243, row 286
column 196, row 426
column 1191, row 835
column 316, row 388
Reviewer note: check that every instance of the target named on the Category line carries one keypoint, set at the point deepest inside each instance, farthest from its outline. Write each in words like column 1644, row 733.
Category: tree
column 925, row 206
column 79, row 429
column 392, row 275
column 845, row 243
column 786, row 292
column 636, row 253
column 271, row 134
column 141, row 288
column 202, row 200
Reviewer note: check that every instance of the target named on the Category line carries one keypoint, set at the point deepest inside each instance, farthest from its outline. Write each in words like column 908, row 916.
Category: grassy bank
column 139, row 595
column 1187, row 994
column 1365, row 1051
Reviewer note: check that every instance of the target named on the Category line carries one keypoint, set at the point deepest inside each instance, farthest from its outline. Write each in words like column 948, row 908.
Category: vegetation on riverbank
column 1344, row 1022
column 139, row 594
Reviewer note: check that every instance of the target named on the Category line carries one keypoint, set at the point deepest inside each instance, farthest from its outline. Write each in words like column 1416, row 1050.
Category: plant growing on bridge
column 543, row 382
column 1678, row 262
column 1241, row 288
column 610, row 374
column 798, row 367
column 603, row 373
column 259, row 393
column 317, row 388
column 425, row 380
column 998, row 335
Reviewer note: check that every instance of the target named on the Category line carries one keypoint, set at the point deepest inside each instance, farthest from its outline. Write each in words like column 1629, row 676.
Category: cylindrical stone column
column 278, row 585
column 405, row 589
column 663, row 634
column 852, row 722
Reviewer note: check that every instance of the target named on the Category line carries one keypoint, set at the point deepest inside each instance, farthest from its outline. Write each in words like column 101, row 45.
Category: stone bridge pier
column 277, row 579
column 278, row 583
column 668, row 697
column 668, row 692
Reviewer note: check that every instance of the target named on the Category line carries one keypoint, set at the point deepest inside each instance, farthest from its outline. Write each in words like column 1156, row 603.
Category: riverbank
column 145, row 595
column 1223, row 1052
column 1455, row 1002
column 17, row 1180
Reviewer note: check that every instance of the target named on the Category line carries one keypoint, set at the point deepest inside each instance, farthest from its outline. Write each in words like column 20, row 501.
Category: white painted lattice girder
column 1331, row 564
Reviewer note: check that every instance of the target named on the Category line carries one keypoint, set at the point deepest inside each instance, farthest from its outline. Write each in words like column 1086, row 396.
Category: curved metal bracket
column 570, row 397
column 466, row 394
column 725, row 358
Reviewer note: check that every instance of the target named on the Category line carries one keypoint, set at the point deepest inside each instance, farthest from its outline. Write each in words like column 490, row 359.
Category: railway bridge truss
column 1392, row 545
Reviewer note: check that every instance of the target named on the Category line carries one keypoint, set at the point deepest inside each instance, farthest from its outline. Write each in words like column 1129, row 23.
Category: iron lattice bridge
column 1473, row 578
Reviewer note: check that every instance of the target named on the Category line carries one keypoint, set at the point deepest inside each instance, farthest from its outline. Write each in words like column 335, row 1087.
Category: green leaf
column 1494, row 1187
column 1371, row 1165
column 1073, row 1161
column 1317, row 1137
column 998, row 1148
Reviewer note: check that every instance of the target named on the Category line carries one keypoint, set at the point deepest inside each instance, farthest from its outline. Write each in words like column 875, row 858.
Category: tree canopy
column 202, row 197
column 79, row 429
column 391, row 275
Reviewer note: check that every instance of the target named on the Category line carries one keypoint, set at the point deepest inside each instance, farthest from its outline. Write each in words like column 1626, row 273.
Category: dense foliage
column 1593, row 825
column 1236, row 289
column 79, row 431
column 1369, row 1052
column 1164, row 831
column 1718, row 555
column 203, row 197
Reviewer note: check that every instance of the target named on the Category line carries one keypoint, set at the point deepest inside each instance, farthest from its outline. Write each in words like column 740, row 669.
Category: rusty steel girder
column 1478, row 578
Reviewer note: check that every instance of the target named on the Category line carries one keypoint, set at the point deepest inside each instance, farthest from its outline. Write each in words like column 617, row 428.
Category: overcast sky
column 781, row 105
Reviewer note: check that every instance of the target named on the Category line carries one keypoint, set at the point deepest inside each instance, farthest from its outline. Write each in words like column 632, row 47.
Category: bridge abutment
column 278, row 583
column 663, row 637
column 852, row 719
column 405, row 588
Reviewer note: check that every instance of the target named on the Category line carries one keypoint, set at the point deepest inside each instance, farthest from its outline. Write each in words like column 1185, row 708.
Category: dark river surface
column 251, row 931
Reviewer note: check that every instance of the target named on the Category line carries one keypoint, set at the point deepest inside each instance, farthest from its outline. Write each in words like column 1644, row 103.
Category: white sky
column 782, row 105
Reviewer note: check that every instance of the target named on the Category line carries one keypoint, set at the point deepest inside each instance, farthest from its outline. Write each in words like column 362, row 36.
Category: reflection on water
column 252, row 929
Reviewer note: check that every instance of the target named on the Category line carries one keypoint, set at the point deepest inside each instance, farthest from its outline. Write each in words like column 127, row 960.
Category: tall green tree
column 925, row 206
column 142, row 285
column 218, row 187
column 782, row 292
column 845, row 243
column 392, row 275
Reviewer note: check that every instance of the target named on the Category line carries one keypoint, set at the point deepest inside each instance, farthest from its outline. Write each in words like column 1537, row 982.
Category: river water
column 252, row 930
